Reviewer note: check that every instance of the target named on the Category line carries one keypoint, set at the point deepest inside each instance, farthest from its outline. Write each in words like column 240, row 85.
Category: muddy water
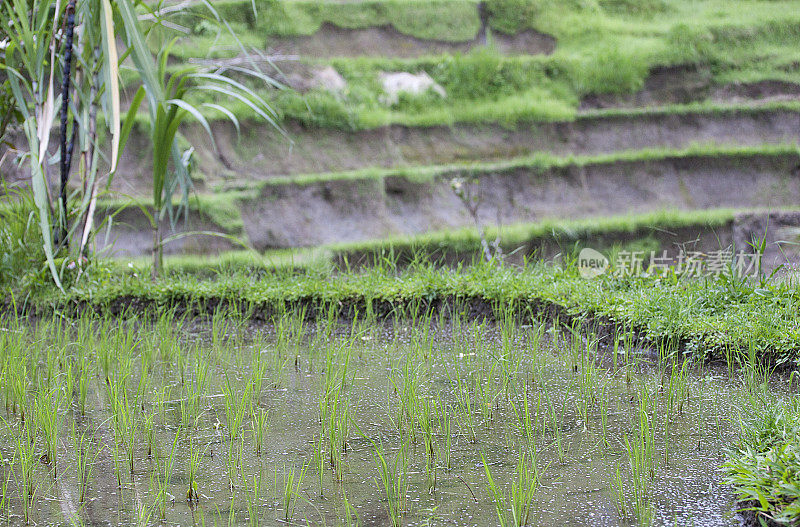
column 578, row 436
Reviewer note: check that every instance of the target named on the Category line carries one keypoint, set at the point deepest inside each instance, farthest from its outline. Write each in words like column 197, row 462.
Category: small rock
column 328, row 79
column 395, row 83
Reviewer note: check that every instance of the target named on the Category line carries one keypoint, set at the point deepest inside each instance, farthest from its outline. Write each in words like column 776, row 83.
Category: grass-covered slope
column 603, row 46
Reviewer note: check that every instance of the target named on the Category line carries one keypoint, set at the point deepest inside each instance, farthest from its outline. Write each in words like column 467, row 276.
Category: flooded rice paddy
column 417, row 422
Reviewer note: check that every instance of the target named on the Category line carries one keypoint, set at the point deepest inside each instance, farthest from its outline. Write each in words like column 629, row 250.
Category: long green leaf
column 112, row 80
column 197, row 115
column 141, row 55
column 229, row 114
column 41, row 199
column 130, row 118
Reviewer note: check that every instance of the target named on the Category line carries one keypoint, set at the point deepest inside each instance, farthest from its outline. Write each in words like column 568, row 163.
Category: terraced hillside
column 546, row 109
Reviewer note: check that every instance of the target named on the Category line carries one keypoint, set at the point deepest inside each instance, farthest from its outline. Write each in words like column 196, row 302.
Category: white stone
column 395, row 83
column 328, row 79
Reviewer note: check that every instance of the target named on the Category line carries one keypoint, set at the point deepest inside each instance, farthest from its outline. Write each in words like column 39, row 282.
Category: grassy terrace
column 602, row 47
column 519, row 240
column 222, row 206
column 537, row 163
column 715, row 318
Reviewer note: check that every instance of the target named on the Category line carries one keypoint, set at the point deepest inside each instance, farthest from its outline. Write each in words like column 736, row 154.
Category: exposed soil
column 327, row 212
column 386, row 41
column 551, row 247
column 665, row 85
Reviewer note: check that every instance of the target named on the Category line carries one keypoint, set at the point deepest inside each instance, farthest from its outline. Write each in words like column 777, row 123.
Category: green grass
column 447, row 20
column 763, row 466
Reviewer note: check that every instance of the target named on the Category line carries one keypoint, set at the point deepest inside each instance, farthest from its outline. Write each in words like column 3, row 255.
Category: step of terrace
column 349, row 207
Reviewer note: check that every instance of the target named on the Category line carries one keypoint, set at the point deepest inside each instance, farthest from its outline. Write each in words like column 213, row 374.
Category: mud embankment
column 683, row 84
column 260, row 153
column 386, row 41
column 358, row 209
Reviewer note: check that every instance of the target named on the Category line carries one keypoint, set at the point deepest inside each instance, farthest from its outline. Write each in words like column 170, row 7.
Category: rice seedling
column 290, row 331
column 425, row 420
column 618, row 488
column 220, row 327
column 465, row 415
column 18, row 381
column 422, row 339
column 160, row 402
column 587, row 381
column 260, row 425
column 483, row 394
column 603, row 406
column 325, row 326
column 677, row 394
column 524, row 419
column 253, row 494
column 126, row 424
column 334, row 408
column 192, row 496
column 319, row 464
column 514, row 506
column 350, row 513
column 444, row 452
column 258, row 373
column 234, row 461
column 25, row 462
column 232, row 510
column 640, row 447
column 337, row 431
column 143, row 515
column 47, row 403
column 394, row 480
column 292, row 481
column 407, row 389
column 5, row 496
column 53, row 359
column 236, row 406
column 555, row 422
column 160, row 477
column 86, row 455
column 194, row 391
column 84, row 373
column 678, row 391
